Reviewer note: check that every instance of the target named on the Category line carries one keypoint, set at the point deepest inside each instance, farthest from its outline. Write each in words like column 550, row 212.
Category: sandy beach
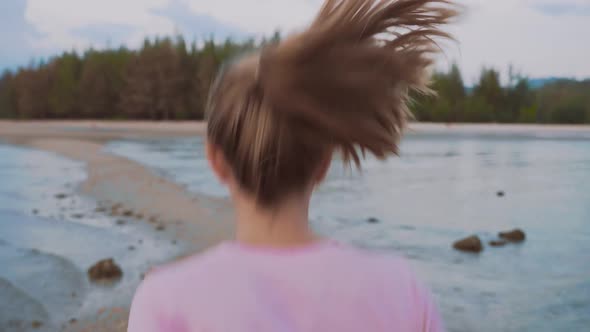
column 124, row 185
column 114, row 180
column 118, row 182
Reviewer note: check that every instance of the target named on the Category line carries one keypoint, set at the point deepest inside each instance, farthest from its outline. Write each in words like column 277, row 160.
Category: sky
column 540, row 38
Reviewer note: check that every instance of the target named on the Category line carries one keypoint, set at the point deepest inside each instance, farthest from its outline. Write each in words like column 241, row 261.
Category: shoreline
column 114, row 181
column 117, row 181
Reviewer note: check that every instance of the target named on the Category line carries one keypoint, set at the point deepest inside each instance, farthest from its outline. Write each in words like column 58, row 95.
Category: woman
column 275, row 120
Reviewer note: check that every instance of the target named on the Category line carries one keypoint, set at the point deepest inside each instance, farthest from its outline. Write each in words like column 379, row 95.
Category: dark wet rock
column 100, row 209
column 115, row 209
column 500, row 193
column 127, row 213
column 160, row 227
column 372, row 220
column 131, row 247
column 153, row 220
column 121, row 222
column 73, row 320
column 35, row 251
column 470, row 244
column 498, row 243
column 61, row 196
column 73, row 294
column 35, row 211
column 105, row 270
column 36, row 324
column 139, row 216
column 515, row 235
column 174, row 242
column 78, row 215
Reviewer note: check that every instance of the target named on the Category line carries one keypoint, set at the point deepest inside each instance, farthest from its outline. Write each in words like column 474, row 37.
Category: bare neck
column 282, row 226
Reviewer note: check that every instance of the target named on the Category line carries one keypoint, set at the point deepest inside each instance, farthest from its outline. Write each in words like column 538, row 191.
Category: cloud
column 15, row 34
column 540, row 37
column 259, row 16
column 563, row 8
column 492, row 33
column 502, row 32
column 105, row 34
column 79, row 24
column 61, row 21
column 197, row 26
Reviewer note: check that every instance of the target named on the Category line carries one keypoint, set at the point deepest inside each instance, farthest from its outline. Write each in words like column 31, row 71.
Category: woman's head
column 276, row 117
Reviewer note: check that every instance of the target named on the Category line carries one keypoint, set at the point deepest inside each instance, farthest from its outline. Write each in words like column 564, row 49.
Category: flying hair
column 342, row 84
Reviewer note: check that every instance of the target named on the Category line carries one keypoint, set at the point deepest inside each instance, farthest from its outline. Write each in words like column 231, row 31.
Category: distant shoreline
column 105, row 130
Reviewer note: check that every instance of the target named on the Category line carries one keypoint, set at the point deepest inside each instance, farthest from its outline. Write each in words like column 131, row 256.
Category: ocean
column 444, row 187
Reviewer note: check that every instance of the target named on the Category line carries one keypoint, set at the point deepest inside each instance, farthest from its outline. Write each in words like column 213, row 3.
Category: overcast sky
column 539, row 37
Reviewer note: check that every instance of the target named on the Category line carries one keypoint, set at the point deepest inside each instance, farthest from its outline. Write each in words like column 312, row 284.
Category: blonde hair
column 342, row 84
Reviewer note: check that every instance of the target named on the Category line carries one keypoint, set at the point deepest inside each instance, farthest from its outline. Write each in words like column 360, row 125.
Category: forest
column 167, row 79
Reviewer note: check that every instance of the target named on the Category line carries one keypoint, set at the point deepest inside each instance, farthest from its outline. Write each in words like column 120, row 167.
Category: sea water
column 443, row 187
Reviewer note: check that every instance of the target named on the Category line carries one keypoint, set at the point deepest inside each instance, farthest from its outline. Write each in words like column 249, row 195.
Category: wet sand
column 113, row 180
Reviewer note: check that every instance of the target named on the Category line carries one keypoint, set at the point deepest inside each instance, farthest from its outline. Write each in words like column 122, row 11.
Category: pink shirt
column 322, row 287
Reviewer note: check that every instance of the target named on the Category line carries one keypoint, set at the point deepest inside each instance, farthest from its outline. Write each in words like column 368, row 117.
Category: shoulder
column 380, row 262
column 398, row 282
column 392, row 271
column 170, row 280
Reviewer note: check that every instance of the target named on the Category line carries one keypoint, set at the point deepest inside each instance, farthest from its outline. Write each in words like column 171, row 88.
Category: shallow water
column 49, row 237
column 443, row 188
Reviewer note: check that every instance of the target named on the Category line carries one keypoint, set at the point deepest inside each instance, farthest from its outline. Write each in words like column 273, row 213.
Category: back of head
column 342, row 84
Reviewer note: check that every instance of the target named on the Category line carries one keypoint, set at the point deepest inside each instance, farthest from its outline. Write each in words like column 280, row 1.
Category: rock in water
column 105, row 270
column 501, row 193
column 515, row 235
column 372, row 220
column 471, row 244
column 498, row 243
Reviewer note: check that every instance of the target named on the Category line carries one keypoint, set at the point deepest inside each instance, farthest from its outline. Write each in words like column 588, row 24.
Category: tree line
column 166, row 79
column 559, row 101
